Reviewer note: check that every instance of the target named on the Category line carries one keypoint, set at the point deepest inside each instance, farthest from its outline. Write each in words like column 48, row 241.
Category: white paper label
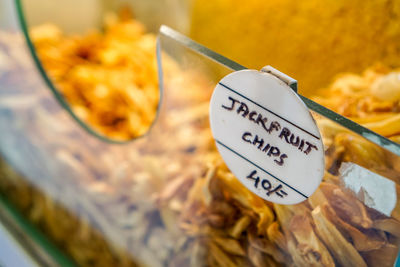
column 267, row 136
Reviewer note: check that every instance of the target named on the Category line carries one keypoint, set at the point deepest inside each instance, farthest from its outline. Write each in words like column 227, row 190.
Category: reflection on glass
column 350, row 220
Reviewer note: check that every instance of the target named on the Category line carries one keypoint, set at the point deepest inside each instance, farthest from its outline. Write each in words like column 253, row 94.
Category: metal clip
column 282, row 76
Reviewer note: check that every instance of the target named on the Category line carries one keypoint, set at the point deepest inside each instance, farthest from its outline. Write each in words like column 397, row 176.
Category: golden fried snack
column 371, row 99
column 108, row 78
column 168, row 198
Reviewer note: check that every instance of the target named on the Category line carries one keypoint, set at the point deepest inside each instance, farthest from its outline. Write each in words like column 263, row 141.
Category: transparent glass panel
column 338, row 225
column 98, row 59
column 167, row 198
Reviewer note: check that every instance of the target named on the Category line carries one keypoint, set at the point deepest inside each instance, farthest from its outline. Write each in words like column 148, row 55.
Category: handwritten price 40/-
column 266, row 185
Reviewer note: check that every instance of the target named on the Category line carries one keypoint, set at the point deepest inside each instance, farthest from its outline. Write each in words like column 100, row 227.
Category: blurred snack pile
column 109, row 78
column 371, row 99
column 168, row 199
column 309, row 40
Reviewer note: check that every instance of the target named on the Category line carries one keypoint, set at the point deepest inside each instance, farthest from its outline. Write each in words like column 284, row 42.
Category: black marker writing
column 234, row 101
column 296, row 141
column 244, row 109
column 285, row 134
column 266, row 185
column 268, row 149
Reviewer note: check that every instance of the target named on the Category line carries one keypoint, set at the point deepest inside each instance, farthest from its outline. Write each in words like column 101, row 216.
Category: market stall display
column 167, row 198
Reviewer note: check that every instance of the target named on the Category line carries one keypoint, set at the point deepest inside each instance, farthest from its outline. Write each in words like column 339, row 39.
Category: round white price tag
column 267, row 136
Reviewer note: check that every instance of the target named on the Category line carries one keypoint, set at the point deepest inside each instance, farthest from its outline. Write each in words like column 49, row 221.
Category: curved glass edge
column 21, row 224
column 329, row 114
column 58, row 95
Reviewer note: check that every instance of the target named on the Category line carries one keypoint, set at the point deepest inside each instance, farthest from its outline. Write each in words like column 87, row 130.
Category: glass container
column 166, row 198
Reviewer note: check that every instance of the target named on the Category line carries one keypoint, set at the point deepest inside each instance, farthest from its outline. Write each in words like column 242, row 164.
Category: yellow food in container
column 109, row 78
column 169, row 199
